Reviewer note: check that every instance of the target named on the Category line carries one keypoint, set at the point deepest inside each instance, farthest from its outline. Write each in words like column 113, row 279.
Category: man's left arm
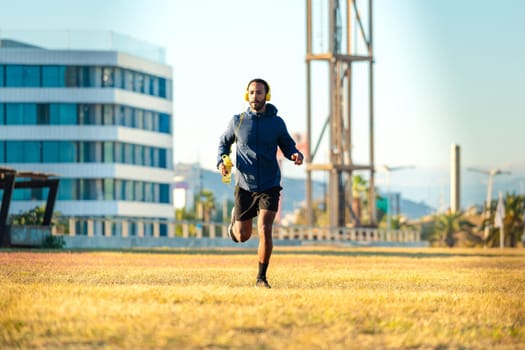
column 287, row 146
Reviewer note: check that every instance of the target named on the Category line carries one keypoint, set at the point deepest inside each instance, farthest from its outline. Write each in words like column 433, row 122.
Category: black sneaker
column 262, row 283
column 230, row 227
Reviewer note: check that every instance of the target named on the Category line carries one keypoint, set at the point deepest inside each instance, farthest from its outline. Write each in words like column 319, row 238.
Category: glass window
column 42, row 114
column 148, row 192
column 66, row 189
column 163, row 230
column 21, row 114
column 90, row 189
column 128, row 153
column 98, row 152
column 147, row 156
column 164, row 123
column 169, row 156
column 95, row 77
column 149, row 120
column 67, row 152
column 30, row 110
column 164, row 193
column 2, row 152
column 89, row 114
column 90, row 152
column 118, row 78
column 116, row 229
column 154, row 87
column 14, row 113
column 97, row 110
column 156, row 121
column 68, row 113
column 132, row 228
column 32, row 151
column 22, row 76
column 21, row 194
column 81, row 189
column 61, row 74
column 139, row 119
column 138, row 82
column 98, row 185
column 53, row 76
column 84, row 114
column 108, row 112
column 2, row 114
column 147, row 84
column 128, row 190
column 39, row 193
column 162, row 87
column 139, row 155
column 128, row 80
column 109, row 189
column 139, row 191
column 154, row 156
column 63, row 114
column 81, row 154
column 81, row 228
column 119, row 189
column 50, row 151
column 2, row 67
column 119, row 152
column 120, row 117
column 22, row 152
column 148, row 229
column 108, row 77
column 128, row 117
column 168, row 89
column 109, row 152
column 162, row 158
column 84, row 76
column 156, row 193
column 71, row 76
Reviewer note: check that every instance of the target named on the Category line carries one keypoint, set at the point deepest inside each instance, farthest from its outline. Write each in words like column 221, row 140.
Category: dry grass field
column 322, row 298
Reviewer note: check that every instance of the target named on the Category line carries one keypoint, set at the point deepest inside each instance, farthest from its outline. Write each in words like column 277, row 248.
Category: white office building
column 101, row 119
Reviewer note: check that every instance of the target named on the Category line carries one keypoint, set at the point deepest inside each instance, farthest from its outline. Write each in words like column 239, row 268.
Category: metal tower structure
column 348, row 32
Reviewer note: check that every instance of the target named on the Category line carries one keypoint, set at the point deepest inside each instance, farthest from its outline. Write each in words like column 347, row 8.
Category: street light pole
column 491, row 173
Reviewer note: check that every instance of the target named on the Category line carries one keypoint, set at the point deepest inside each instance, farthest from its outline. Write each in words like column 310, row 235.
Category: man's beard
column 257, row 105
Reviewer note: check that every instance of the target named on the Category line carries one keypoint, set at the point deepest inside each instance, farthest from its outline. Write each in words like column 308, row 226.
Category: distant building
column 101, row 119
column 188, row 183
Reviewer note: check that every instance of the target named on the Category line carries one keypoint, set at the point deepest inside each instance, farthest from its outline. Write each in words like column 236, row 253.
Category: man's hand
column 222, row 169
column 297, row 158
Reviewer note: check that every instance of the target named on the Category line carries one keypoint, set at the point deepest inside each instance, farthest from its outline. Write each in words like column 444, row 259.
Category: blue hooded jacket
column 257, row 136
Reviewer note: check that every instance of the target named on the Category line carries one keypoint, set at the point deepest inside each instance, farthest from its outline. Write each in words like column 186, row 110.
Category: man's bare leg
column 264, row 226
column 243, row 230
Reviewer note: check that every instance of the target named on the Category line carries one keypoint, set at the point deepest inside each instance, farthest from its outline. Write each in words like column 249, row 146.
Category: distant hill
column 293, row 195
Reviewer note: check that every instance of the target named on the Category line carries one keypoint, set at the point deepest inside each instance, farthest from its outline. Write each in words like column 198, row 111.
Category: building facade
column 101, row 120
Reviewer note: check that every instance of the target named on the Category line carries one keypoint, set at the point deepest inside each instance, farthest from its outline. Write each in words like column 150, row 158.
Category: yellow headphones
column 268, row 93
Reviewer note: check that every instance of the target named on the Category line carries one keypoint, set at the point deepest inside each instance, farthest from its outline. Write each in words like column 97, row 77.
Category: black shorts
column 247, row 204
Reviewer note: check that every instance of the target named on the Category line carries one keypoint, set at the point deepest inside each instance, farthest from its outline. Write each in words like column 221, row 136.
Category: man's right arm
column 225, row 143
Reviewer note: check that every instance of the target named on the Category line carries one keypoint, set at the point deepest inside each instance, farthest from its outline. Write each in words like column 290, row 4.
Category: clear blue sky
column 446, row 72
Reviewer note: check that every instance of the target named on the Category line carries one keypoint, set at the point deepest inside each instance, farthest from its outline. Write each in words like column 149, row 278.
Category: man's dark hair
column 260, row 81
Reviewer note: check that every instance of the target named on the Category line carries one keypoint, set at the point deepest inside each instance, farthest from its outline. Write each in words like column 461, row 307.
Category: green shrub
column 53, row 242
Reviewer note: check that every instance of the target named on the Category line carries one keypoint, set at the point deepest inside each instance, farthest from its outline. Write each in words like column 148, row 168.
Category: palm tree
column 206, row 201
column 359, row 187
column 448, row 225
column 512, row 222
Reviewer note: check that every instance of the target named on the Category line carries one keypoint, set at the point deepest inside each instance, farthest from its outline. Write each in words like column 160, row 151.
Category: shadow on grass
column 416, row 253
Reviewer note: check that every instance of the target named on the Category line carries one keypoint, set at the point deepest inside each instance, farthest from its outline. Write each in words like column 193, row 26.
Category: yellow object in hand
column 227, row 162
